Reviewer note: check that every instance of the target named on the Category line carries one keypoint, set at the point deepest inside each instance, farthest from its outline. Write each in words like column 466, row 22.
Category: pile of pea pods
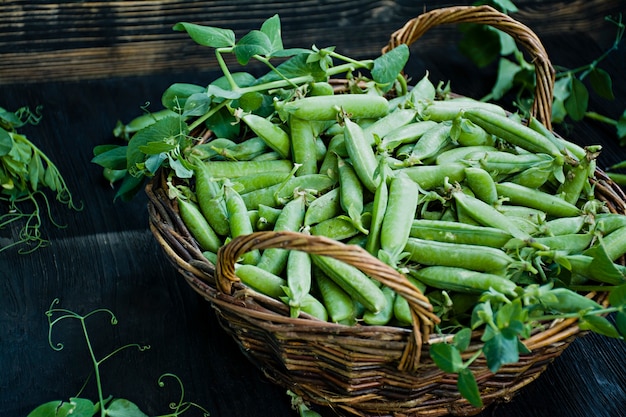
column 459, row 195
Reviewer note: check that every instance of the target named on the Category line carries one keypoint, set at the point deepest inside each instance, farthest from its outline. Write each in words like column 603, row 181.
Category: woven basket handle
column 421, row 309
column 487, row 15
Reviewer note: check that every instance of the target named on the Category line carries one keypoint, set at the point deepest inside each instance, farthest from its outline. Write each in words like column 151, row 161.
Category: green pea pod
column 357, row 106
column 564, row 225
column 291, row 218
column 383, row 316
column 381, row 197
column 429, row 177
column 467, row 133
column 233, row 169
column 430, row 144
column 210, row 200
column 198, row 226
column 276, row 195
column 460, row 153
column 400, row 212
column 464, row 280
column 273, row 135
column 389, row 123
column 455, row 232
column 474, row 257
column 487, row 215
column 482, row 184
column 261, row 280
column 323, row 208
column 564, row 300
column 358, row 285
column 447, row 110
column 530, row 197
column 337, row 228
column 405, row 134
column 239, row 221
column 576, row 177
column 569, row 243
column 338, row 302
column 513, row 132
column 314, row 307
column 298, row 279
column 534, row 176
column 243, row 151
column 351, row 194
column 608, row 222
column 303, row 145
column 259, row 181
column 361, row 154
column 615, row 243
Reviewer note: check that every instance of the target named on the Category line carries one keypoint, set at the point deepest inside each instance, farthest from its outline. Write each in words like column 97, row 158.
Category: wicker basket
column 363, row 370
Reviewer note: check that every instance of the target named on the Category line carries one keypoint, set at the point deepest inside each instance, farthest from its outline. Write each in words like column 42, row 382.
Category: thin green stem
column 602, row 311
column 208, row 114
column 224, row 67
column 96, row 365
column 600, row 118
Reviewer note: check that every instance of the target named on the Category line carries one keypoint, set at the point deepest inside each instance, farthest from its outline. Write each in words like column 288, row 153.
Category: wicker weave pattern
column 362, row 370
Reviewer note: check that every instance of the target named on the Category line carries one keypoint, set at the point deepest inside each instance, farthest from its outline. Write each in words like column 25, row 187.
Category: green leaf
column 161, row 131
column 462, row 339
column 468, row 387
column 123, row 408
column 479, row 43
column 181, row 170
column 560, row 94
column 620, row 322
column 76, row 407
column 207, row 35
column 175, row 96
column 253, row 43
column 216, row 91
column 224, row 124
column 6, row 142
column 271, row 28
column 506, row 6
column 598, row 324
column 113, row 158
column 500, row 350
column 576, row 103
column 446, row 357
column 507, row 70
column 35, row 171
column 388, row 66
column 251, row 101
column 602, row 268
column 617, row 296
column 197, row 104
column 601, row 83
column 129, row 187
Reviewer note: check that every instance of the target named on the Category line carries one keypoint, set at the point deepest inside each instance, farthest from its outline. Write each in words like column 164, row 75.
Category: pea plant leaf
column 6, row 142
column 468, row 388
column 207, row 35
column 617, row 296
column 387, row 67
column 601, row 83
column 271, row 28
column 620, row 322
column 500, row 350
column 578, row 100
column 110, row 156
column 120, row 407
column 598, row 324
column 176, row 95
column 253, row 43
column 446, row 357
column 621, row 126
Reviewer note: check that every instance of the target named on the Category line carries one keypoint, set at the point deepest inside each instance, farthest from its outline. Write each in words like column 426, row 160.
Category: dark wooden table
column 106, row 257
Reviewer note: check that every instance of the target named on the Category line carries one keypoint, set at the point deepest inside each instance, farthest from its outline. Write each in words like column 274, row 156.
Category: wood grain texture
column 75, row 39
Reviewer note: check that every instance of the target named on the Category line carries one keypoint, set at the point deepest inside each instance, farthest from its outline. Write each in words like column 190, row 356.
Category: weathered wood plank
column 75, row 40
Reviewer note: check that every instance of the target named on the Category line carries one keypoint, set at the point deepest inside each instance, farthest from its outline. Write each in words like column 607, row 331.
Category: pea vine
column 104, row 406
column 485, row 45
column 164, row 137
column 25, row 173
